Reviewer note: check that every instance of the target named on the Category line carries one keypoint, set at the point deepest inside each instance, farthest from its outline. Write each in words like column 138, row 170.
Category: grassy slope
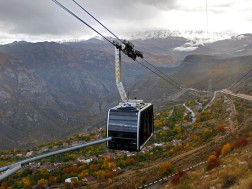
column 234, row 172
column 241, row 122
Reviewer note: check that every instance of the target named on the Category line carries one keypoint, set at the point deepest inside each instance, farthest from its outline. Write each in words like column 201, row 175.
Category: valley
column 125, row 94
column 46, row 87
column 56, row 95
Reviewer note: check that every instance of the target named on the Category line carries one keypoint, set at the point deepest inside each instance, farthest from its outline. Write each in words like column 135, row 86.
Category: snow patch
column 189, row 46
column 187, row 49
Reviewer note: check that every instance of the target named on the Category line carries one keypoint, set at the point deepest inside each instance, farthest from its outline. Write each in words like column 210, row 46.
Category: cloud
column 38, row 19
column 44, row 17
column 34, row 17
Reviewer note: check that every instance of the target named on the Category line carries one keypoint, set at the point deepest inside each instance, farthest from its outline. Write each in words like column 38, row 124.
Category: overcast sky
column 40, row 20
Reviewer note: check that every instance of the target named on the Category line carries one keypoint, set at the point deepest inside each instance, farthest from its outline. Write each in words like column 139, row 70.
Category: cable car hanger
column 128, row 49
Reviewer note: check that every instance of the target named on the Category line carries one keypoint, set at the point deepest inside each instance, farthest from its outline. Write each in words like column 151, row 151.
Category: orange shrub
column 165, row 168
column 158, row 123
column 226, row 148
column 212, row 162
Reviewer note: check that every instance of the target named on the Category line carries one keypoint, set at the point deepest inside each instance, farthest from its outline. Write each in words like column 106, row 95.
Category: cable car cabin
column 130, row 127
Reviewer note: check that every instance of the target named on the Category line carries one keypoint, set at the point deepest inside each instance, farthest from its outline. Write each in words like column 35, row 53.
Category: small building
column 157, row 144
column 96, row 137
column 106, row 157
column 94, row 158
column 19, row 155
column 57, row 165
column 165, row 128
column 72, row 179
column 129, row 154
column 117, row 170
column 176, row 142
column 83, row 160
column 50, row 169
column 28, row 154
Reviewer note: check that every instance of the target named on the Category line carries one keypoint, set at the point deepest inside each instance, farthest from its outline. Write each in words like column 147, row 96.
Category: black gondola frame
column 139, row 113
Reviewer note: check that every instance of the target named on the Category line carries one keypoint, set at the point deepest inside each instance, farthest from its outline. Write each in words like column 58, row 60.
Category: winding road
column 192, row 113
column 239, row 95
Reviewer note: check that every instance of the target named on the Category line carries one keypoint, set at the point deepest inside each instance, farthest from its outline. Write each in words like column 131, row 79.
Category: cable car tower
column 130, row 124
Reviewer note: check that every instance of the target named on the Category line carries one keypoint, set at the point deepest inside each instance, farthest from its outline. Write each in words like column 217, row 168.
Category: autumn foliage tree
column 26, row 183
column 158, row 123
column 226, row 148
column 240, row 143
column 177, row 177
column 42, row 182
column 217, row 152
column 165, row 168
column 213, row 162
column 101, row 175
column 72, row 169
column 221, row 128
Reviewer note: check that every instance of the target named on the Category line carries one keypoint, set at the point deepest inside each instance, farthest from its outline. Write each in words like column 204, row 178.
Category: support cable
column 74, row 15
column 165, row 77
column 171, row 80
column 241, row 78
column 97, row 20
column 162, row 77
column 25, row 161
column 10, row 172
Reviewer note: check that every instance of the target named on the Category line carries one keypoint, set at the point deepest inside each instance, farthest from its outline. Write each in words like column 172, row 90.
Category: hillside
column 51, row 90
column 197, row 70
column 243, row 84
column 220, row 138
column 44, row 91
column 47, row 87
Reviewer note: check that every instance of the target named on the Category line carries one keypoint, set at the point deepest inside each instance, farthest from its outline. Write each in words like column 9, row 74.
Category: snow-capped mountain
column 207, row 37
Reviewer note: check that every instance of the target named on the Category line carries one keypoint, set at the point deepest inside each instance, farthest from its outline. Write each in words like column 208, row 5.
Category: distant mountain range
column 188, row 34
column 50, row 90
